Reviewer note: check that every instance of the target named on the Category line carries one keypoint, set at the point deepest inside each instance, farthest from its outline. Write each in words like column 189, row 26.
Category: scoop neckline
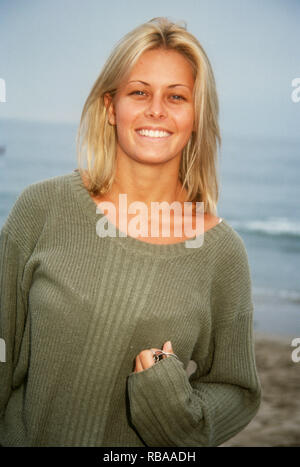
column 168, row 249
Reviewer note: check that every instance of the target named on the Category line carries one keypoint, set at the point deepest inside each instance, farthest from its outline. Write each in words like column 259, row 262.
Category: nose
column 156, row 108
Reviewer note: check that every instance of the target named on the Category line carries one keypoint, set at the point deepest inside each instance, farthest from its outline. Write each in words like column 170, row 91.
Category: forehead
column 163, row 67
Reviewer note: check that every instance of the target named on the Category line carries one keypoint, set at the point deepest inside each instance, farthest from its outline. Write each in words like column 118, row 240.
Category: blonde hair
column 198, row 166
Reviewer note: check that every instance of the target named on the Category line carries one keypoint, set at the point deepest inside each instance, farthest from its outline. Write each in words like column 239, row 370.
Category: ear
column 108, row 102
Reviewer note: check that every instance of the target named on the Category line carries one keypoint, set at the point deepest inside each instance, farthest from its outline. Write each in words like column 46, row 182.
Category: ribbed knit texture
column 76, row 309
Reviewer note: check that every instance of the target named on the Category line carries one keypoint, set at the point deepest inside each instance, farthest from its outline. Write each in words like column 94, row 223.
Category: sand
column 277, row 423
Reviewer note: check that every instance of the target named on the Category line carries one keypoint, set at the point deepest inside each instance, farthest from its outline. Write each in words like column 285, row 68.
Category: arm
column 12, row 317
column 169, row 409
column 18, row 238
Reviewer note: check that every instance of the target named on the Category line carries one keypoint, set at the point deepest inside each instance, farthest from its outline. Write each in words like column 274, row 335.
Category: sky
column 52, row 51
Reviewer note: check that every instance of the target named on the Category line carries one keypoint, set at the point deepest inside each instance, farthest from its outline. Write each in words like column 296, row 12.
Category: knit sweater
column 76, row 309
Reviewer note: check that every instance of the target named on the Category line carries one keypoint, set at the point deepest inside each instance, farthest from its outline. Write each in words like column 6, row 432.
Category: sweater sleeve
column 218, row 400
column 18, row 238
column 12, row 318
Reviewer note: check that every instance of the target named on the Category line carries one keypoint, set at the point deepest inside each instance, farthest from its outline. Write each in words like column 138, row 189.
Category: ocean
column 259, row 197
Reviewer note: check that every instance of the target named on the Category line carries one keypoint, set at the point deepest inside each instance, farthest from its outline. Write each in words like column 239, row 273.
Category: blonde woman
column 99, row 325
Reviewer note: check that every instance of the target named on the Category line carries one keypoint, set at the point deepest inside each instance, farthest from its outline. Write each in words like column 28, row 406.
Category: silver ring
column 158, row 355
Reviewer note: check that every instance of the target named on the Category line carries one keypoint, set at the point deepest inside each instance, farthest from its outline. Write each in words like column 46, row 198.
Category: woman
column 87, row 316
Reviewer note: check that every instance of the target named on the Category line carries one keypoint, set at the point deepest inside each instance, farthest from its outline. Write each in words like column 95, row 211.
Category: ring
column 158, row 355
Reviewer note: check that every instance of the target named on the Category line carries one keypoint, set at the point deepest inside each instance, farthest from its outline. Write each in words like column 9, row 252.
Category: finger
column 167, row 347
column 138, row 365
column 146, row 358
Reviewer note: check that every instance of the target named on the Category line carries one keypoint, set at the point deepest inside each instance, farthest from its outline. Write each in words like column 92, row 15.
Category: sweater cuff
column 159, row 397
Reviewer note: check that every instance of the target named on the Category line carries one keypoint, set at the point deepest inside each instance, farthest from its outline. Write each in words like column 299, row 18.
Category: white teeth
column 153, row 134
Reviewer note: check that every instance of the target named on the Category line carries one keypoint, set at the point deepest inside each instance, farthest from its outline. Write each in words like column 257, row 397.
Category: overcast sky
column 51, row 52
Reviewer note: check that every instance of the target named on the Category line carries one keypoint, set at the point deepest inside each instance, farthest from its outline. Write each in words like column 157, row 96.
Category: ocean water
column 259, row 197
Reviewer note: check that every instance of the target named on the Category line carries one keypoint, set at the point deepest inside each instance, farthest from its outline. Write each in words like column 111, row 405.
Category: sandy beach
column 277, row 423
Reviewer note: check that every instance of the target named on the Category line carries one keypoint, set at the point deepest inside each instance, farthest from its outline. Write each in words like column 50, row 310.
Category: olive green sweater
column 77, row 308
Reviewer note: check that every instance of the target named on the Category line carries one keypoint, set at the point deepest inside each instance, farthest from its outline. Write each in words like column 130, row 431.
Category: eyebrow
column 147, row 84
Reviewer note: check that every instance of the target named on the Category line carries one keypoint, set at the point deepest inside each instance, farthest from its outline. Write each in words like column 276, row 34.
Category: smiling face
column 150, row 100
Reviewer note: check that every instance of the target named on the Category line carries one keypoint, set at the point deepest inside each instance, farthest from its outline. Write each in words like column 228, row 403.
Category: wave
column 269, row 226
column 290, row 295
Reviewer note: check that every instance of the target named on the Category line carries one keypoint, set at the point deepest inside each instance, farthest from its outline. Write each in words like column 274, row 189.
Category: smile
column 153, row 135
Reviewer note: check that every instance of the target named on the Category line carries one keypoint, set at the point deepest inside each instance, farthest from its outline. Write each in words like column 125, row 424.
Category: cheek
column 126, row 114
column 184, row 119
column 123, row 121
column 185, row 122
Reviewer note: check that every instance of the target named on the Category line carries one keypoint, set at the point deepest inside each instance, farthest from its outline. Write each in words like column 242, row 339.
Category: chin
column 154, row 159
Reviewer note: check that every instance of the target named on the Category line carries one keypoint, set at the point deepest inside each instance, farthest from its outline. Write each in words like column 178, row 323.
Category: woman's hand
column 145, row 358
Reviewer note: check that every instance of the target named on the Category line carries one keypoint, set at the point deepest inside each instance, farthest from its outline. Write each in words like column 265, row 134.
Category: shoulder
column 38, row 190
column 232, row 256
column 232, row 282
column 32, row 207
column 36, row 198
column 226, row 243
column 210, row 221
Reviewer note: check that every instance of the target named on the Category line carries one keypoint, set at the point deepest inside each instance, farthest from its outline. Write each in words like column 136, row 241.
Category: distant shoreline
column 269, row 336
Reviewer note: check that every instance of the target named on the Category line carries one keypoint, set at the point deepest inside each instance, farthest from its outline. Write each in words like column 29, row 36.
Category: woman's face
column 156, row 96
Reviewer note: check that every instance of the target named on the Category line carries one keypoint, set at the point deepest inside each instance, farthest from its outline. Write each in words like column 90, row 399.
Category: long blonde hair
column 96, row 138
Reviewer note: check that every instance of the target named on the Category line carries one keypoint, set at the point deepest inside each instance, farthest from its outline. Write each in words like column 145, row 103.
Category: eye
column 140, row 93
column 135, row 92
column 180, row 97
